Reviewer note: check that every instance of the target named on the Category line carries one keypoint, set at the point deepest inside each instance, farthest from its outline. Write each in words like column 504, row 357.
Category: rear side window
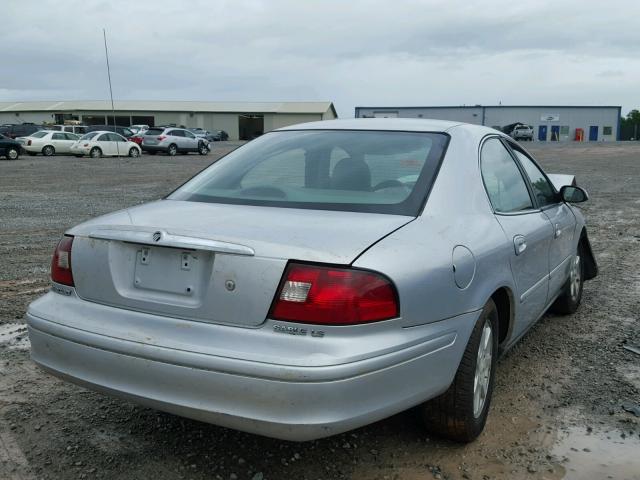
column 363, row 171
column 58, row 136
column 89, row 136
column 39, row 134
column 502, row 179
column 105, row 137
column 176, row 133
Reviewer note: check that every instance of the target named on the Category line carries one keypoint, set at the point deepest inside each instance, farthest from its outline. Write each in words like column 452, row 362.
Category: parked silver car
column 320, row 278
column 172, row 141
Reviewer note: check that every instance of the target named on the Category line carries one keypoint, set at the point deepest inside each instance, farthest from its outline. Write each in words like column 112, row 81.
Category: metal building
column 550, row 122
column 241, row 120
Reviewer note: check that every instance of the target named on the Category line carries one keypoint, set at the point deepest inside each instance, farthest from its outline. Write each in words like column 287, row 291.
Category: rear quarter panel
column 418, row 257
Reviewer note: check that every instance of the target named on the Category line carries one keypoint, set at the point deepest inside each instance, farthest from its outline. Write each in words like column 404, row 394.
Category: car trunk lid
column 211, row 262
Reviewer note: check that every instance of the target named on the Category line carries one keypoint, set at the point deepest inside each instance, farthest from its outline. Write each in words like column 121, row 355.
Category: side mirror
column 573, row 194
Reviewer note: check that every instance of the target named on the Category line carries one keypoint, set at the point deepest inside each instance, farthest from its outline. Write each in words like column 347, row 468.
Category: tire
column 460, row 413
column 172, row 150
column 12, row 153
column 134, row 152
column 571, row 296
column 202, row 149
column 48, row 151
column 95, row 152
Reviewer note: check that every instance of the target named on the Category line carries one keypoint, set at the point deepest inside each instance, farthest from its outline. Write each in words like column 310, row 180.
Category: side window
column 114, row 137
column 542, row 189
column 503, row 181
column 176, row 133
column 58, row 136
column 188, row 134
column 71, row 136
column 103, row 138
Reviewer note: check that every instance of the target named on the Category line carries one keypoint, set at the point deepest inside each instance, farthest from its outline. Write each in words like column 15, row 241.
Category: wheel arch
column 504, row 301
column 590, row 264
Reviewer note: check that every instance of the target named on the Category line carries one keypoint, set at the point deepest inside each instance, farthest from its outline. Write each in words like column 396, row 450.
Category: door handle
column 557, row 231
column 520, row 244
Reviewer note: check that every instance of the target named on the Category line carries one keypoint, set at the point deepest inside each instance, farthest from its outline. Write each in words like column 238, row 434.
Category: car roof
column 399, row 124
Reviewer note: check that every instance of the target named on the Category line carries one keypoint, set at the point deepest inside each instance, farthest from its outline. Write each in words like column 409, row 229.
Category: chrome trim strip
column 166, row 239
column 524, row 296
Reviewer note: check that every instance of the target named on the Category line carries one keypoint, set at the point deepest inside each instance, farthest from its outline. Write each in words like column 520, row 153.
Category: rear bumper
column 281, row 400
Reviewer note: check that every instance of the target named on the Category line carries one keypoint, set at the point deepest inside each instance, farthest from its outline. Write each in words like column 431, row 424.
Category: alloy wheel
column 483, row 369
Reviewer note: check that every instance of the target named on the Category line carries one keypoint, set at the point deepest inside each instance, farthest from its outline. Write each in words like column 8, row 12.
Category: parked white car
column 48, row 142
column 104, row 144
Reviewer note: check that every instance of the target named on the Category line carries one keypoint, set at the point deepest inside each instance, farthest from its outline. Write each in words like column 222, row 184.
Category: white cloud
column 405, row 52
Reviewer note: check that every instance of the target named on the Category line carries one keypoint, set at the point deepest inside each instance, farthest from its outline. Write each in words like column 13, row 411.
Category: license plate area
column 169, row 270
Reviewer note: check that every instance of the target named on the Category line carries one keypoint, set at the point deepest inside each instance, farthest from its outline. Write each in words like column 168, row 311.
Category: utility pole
column 113, row 109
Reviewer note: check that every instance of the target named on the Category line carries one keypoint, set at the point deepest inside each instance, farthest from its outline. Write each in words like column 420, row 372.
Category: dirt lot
column 557, row 411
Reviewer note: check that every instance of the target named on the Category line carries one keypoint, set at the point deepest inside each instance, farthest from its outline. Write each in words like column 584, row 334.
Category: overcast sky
column 375, row 53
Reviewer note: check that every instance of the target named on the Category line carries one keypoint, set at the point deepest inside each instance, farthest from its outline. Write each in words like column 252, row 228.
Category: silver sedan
column 320, row 278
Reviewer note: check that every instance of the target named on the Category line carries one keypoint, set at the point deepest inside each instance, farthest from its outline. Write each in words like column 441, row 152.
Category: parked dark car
column 220, row 136
column 124, row 131
column 9, row 148
column 19, row 129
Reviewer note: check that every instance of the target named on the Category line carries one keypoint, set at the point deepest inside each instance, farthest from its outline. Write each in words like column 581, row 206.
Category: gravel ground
column 557, row 409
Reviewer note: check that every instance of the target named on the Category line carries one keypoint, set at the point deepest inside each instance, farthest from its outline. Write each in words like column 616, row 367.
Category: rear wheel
column 95, row 152
column 12, row 153
column 48, row 151
column 461, row 412
column 172, row 150
column 134, row 152
column 571, row 296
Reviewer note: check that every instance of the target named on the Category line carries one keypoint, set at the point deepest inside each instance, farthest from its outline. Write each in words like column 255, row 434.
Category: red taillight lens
column 161, row 137
column 28, row 142
column 334, row 296
column 61, row 262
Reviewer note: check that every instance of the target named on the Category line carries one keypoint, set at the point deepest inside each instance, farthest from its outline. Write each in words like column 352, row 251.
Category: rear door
column 562, row 219
column 59, row 142
column 178, row 139
column 527, row 229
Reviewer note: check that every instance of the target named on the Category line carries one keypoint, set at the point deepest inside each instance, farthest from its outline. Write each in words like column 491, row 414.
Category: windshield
column 366, row 171
column 88, row 136
column 39, row 134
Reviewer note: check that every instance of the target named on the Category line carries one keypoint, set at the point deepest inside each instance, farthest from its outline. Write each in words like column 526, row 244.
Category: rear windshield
column 364, row 171
column 39, row 134
column 154, row 131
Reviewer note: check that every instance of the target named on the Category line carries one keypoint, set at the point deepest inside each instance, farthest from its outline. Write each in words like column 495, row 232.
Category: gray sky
column 355, row 52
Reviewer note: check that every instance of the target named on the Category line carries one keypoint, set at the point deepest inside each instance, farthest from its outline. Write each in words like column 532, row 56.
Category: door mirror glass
column 572, row 194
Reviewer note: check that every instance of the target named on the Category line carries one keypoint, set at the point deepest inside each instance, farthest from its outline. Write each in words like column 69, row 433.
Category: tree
column 630, row 125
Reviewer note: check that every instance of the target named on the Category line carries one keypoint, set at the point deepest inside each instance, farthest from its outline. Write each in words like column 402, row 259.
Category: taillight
column 28, row 142
column 61, row 262
column 334, row 296
column 161, row 137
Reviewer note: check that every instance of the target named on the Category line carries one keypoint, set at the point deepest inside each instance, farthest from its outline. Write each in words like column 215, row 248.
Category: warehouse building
column 241, row 120
column 581, row 123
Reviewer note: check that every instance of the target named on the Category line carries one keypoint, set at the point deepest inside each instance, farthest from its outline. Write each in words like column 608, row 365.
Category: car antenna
column 113, row 109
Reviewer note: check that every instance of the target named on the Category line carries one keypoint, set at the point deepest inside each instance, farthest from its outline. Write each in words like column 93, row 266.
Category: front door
column 528, row 231
column 561, row 218
column 542, row 133
column 555, row 133
column 593, row 133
